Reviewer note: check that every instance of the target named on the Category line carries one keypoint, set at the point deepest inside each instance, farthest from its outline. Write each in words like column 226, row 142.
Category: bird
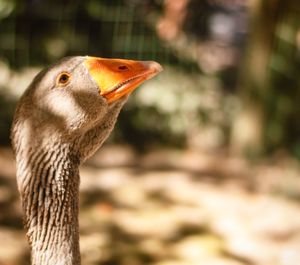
column 62, row 118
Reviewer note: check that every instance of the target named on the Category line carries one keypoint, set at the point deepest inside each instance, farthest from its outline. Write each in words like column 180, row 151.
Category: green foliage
column 283, row 106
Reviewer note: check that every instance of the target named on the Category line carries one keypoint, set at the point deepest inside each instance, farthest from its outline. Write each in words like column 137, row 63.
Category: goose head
column 69, row 99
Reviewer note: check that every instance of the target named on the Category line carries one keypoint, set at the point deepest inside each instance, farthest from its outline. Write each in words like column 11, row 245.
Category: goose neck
column 48, row 181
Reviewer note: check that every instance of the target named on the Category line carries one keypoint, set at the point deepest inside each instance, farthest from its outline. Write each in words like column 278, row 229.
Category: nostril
column 123, row 67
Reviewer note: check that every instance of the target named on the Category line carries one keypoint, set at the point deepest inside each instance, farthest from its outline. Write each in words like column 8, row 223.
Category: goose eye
column 63, row 79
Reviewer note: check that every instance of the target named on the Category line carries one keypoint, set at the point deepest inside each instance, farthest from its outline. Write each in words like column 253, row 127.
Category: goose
column 63, row 117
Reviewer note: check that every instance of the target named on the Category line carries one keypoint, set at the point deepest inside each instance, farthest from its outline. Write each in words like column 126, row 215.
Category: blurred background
column 203, row 165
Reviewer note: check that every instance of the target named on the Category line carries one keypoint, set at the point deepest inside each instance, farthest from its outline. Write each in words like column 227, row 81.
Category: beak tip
column 156, row 67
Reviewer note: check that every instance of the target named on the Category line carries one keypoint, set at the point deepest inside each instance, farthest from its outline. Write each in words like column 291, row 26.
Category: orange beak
column 118, row 77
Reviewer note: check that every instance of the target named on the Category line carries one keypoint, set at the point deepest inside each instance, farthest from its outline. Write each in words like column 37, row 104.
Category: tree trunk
column 248, row 129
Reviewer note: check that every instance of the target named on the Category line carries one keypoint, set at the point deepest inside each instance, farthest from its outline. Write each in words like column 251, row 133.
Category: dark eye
column 63, row 79
column 123, row 67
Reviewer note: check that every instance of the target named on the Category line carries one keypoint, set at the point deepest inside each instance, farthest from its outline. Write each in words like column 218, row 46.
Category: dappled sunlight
column 194, row 217
column 172, row 207
column 171, row 212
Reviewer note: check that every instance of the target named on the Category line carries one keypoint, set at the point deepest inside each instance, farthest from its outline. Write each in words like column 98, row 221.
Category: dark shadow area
column 8, row 216
column 7, row 107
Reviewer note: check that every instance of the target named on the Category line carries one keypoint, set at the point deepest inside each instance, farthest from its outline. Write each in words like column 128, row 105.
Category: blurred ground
column 170, row 207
